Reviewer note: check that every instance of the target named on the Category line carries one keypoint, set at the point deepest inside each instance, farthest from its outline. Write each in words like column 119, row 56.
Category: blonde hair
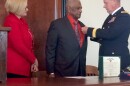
column 15, row 6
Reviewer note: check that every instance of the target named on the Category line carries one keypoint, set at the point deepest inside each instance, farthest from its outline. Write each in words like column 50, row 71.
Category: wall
column 93, row 15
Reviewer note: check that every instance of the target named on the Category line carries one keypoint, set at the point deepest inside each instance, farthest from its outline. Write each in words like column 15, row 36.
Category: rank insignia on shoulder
column 124, row 12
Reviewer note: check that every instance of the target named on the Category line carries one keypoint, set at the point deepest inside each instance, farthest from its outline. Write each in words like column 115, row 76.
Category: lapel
column 70, row 31
column 108, row 19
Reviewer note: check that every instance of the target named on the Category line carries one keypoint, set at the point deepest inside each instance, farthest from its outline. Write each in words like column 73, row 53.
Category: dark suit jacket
column 64, row 56
column 113, row 37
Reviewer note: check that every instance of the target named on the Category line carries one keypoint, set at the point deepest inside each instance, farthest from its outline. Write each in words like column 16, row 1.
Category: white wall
column 93, row 14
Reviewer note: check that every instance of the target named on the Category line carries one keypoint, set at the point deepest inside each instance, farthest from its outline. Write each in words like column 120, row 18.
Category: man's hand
column 84, row 29
column 51, row 75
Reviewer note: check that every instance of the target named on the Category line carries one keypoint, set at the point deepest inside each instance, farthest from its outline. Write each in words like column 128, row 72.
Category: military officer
column 114, row 34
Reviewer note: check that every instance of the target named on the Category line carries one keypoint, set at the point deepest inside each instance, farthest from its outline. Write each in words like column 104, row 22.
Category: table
column 69, row 81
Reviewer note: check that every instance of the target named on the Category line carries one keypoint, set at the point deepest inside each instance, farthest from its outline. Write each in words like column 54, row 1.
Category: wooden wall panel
column 41, row 13
column 2, row 11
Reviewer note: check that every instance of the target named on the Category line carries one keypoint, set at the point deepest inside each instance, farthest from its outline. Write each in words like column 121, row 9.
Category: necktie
column 76, row 31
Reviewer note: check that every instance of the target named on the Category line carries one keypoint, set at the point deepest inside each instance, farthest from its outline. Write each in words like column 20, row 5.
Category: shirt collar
column 71, row 19
column 116, row 10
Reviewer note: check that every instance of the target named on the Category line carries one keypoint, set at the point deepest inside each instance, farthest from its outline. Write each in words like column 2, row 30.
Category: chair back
column 91, row 70
column 39, row 74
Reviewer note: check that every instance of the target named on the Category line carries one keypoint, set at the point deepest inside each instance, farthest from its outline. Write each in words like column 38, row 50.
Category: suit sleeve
column 89, row 33
column 51, row 46
column 16, row 42
column 120, row 25
column 95, row 39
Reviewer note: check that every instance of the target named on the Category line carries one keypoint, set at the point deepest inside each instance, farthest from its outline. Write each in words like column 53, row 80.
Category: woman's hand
column 34, row 67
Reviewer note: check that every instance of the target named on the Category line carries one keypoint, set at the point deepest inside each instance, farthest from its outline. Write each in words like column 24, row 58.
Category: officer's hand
column 84, row 29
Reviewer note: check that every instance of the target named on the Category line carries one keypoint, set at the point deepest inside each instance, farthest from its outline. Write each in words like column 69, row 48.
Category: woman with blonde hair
column 21, row 60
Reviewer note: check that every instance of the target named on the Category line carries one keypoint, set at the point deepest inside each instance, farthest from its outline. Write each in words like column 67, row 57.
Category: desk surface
column 73, row 81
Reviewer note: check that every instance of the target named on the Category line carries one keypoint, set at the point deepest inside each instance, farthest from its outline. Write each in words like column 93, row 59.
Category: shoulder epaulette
column 124, row 12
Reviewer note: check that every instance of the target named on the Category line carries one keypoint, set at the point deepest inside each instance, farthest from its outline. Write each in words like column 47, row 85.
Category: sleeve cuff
column 94, row 33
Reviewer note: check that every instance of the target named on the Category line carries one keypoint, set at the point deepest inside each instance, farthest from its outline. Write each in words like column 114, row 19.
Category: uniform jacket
column 64, row 56
column 113, row 37
column 20, row 55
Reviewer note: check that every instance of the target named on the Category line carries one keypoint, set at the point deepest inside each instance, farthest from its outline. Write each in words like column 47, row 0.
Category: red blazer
column 20, row 55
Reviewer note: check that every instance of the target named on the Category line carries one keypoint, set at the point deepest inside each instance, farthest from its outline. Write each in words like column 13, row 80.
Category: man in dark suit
column 66, row 44
column 113, row 37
